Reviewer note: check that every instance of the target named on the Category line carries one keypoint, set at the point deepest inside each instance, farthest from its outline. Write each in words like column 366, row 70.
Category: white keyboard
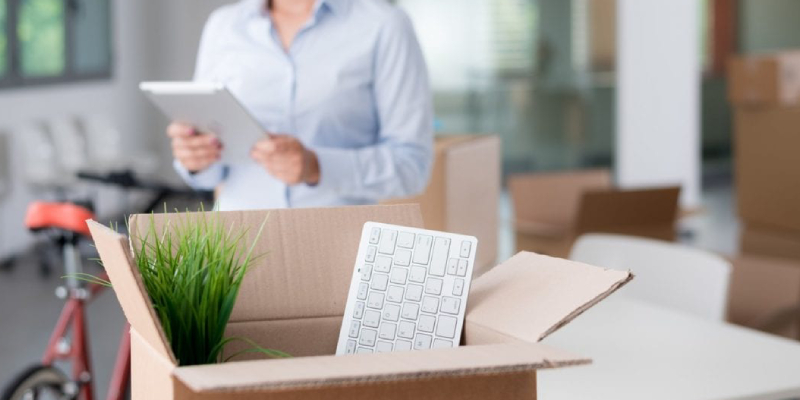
column 409, row 290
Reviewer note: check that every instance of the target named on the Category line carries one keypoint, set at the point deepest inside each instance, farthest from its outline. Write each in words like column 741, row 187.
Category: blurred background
column 565, row 97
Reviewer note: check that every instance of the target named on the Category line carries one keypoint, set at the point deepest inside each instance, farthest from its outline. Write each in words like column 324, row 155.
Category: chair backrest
column 553, row 197
column 104, row 144
column 40, row 158
column 669, row 274
column 648, row 212
column 70, row 145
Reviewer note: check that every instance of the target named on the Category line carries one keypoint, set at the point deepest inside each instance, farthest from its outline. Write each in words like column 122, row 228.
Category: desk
column 644, row 351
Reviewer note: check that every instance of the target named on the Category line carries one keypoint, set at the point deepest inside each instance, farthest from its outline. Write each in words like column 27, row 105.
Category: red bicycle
column 66, row 224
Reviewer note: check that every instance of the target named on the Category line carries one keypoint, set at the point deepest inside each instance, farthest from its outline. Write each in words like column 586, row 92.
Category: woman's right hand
column 195, row 151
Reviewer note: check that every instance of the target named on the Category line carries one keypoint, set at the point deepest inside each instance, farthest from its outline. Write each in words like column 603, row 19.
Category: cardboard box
column 463, row 193
column 765, row 295
column 294, row 297
column 764, row 80
column 767, row 161
column 770, row 242
column 553, row 209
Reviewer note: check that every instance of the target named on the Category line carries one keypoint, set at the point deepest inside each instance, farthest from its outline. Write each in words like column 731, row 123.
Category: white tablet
column 211, row 108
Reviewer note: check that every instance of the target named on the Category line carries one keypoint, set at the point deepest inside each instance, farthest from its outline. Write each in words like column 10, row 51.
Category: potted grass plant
column 192, row 271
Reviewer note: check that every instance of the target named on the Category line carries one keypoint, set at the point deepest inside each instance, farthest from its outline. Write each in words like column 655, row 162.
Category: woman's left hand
column 285, row 158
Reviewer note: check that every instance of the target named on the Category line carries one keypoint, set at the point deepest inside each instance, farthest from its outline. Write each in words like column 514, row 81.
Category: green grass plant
column 192, row 271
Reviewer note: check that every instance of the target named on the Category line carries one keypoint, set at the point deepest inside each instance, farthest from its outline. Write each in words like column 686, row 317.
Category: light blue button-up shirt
column 353, row 87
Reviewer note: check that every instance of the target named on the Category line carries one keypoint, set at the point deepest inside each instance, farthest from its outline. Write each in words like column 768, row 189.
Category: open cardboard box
column 463, row 192
column 552, row 209
column 294, row 297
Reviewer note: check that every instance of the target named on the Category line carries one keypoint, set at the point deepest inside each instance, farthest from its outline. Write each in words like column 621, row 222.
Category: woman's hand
column 195, row 151
column 285, row 158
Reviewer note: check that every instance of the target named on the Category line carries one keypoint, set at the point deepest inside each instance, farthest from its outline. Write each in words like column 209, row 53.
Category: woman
column 342, row 88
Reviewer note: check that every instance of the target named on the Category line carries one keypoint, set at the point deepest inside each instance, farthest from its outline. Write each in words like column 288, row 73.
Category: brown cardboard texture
column 767, row 166
column 765, row 294
column 463, row 193
column 764, row 80
column 770, row 241
column 294, row 297
column 553, row 209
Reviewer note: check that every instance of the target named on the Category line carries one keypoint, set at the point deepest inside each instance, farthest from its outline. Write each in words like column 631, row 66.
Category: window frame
column 13, row 77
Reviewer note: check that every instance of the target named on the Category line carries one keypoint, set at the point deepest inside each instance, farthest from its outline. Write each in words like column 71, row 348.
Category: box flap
column 530, row 296
column 382, row 367
column 307, row 256
column 604, row 210
column 130, row 291
column 553, row 198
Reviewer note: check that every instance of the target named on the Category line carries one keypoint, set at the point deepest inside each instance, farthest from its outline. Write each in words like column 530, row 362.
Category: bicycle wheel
column 40, row 383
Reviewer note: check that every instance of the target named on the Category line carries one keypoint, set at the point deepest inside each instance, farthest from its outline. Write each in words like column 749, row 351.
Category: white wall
column 658, row 96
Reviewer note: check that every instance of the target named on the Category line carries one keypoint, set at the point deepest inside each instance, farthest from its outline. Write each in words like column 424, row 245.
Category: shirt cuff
column 338, row 170
column 207, row 179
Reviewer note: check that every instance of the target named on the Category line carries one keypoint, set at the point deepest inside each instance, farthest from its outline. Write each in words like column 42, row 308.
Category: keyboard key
column 423, row 342
column 363, row 288
column 366, row 272
column 395, row 294
column 399, row 276
column 372, row 318
column 388, row 239
column 447, row 326
column 402, row 345
column 442, row 344
column 405, row 240
column 379, row 282
column 462, row 268
column 406, row 329
column 441, row 247
column 466, row 246
column 450, row 305
column 383, row 264
column 363, row 350
column 359, row 311
column 414, row 292
column 374, row 235
column 452, row 266
column 426, row 323
column 410, row 311
column 387, row 331
column 391, row 312
column 417, row 274
column 371, row 253
column 351, row 347
column 458, row 287
column 368, row 337
column 430, row 304
column 354, row 328
column 433, row 286
column 383, row 347
column 375, row 300
column 422, row 250
column 402, row 258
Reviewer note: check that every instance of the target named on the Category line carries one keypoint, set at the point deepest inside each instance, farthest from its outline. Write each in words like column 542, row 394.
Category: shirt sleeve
column 212, row 176
column 399, row 164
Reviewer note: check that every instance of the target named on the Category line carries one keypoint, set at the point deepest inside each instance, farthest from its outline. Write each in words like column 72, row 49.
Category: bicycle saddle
column 68, row 217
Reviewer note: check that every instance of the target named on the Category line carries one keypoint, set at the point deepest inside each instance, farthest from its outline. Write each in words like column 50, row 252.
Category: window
column 49, row 41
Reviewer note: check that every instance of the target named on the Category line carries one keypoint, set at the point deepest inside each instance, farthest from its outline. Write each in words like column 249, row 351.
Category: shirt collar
column 257, row 8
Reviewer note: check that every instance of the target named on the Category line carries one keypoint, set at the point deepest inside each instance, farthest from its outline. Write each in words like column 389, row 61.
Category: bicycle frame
column 78, row 294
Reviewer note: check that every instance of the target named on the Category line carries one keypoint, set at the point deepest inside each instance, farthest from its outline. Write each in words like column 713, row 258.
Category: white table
column 644, row 351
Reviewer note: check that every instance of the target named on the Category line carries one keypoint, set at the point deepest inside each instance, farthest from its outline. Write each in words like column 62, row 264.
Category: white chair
column 40, row 158
column 107, row 151
column 70, row 146
column 669, row 274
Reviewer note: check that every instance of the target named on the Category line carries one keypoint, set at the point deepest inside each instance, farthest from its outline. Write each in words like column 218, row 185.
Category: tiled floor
column 28, row 307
